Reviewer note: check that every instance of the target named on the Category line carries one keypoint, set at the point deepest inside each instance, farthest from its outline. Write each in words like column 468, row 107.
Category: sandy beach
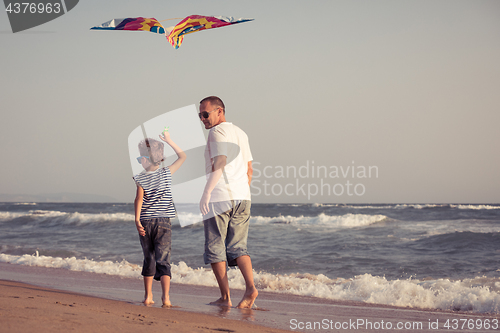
column 54, row 300
column 28, row 308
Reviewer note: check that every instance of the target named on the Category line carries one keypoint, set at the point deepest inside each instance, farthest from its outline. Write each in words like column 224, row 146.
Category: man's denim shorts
column 226, row 233
column 156, row 246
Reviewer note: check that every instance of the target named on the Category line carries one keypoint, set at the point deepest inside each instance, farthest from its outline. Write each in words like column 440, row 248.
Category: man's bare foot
column 166, row 302
column 248, row 299
column 222, row 302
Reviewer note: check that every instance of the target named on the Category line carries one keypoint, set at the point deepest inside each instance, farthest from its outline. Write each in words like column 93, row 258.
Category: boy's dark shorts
column 156, row 246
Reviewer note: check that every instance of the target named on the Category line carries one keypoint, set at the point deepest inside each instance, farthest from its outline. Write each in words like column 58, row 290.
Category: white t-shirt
column 229, row 140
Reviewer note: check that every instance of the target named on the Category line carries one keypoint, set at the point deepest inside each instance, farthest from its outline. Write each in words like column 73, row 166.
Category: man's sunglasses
column 205, row 114
column 140, row 158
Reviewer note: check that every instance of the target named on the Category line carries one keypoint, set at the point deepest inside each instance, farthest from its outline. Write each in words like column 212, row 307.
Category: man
column 225, row 203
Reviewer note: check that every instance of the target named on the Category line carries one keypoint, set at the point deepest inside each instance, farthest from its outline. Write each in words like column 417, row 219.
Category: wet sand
column 28, row 308
column 53, row 300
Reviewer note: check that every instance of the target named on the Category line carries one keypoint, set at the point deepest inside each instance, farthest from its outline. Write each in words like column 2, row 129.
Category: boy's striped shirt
column 157, row 200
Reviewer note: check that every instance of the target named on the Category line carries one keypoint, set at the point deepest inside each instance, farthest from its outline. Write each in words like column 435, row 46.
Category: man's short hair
column 152, row 148
column 214, row 100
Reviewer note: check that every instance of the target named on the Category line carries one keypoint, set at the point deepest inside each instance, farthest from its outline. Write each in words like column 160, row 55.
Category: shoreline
column 276, row 311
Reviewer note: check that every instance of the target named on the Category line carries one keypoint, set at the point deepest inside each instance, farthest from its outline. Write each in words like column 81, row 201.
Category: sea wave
column 57, row 217
column 353, row 206
column 419, row 206
column 324, row 220
column 425, row 229
column 477, row 295
column 5, row 216
column 475, row 207
column 458, row 206
column 40, row 216
column 409, row 206
column 382, row 206
column 334, row 221
column 123, row 268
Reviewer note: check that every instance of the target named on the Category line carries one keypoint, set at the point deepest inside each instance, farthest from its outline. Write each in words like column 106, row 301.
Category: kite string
column 175, row 18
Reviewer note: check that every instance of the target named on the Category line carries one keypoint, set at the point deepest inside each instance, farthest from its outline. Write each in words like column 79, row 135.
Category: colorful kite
column 195, row 23
column 134, row 24
column 175, row 35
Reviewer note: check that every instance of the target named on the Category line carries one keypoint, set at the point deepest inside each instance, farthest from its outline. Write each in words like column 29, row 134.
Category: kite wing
column 134, row 24
column 196, row 23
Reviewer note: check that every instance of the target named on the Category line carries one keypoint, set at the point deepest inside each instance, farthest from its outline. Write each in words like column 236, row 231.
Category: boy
column 153, row 209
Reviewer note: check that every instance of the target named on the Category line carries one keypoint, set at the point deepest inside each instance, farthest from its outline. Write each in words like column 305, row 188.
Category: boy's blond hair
column 152, row 148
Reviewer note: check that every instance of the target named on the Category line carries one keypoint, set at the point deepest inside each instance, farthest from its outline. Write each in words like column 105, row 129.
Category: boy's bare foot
column 248, row 299
column 166, row 302
column 222, row 302
column 148, row 301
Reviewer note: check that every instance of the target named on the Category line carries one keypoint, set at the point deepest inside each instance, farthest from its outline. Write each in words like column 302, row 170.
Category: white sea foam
column 78, row 218
column 366, row 207
column 389, row 206
column 58, row 217
column 418, row 206
column 434, row 228
column 10, row 215
column 123, row 268
column 341, row 221
column 354, row 206
column 86, row 218
column 476, row 229
column 190, row 218
column 478, row 295
column 319, row 205
column 181, row 273
column 414, row 206
column 475, row 207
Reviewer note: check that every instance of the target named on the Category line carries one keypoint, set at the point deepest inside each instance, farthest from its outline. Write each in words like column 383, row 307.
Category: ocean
column 424, row 256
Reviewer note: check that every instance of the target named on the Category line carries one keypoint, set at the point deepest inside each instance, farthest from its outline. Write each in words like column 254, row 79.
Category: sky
column 403, row 93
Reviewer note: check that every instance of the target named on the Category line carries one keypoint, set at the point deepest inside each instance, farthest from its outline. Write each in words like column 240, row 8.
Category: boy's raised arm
column 181, row 155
